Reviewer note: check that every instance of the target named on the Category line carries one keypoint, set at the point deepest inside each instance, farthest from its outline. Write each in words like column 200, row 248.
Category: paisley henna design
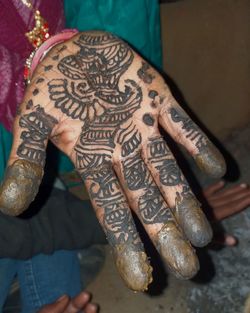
column 38, row 126
column 102, row 59
column 74, row 100
column 98, row 101
column 143, row 73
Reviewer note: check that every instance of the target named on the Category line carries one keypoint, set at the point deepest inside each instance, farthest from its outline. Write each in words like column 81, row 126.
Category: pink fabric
column 48, row 44
column 15, row 20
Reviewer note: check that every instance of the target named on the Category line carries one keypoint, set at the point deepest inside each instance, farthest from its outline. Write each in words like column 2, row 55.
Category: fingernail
column 177, row 252
column 86, row 295
column 61, row 298
column 243, row 185
column 133, row 267
column 230, row 240
column 20, row 186
column 93, row 306
column 211, row 161
column 193, row 221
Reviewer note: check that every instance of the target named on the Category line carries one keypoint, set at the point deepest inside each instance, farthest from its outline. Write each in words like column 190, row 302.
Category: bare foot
column 67, row 305
column 226, row 202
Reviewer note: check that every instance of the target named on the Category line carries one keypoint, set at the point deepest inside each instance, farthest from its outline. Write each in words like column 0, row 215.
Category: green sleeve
column 5, row 147
column 136, row 21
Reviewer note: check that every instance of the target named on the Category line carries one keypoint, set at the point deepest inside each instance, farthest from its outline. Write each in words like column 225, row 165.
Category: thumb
column 32, row 128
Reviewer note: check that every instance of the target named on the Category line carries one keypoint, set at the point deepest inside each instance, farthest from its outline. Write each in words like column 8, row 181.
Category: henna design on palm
column 101, row 103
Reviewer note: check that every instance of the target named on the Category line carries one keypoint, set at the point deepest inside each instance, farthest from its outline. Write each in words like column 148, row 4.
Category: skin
column 101, row 104
column 66, row 304
column 225, row 202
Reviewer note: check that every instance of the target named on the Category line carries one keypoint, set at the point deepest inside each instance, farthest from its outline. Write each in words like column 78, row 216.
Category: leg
column 8, row 269
column 44, row 278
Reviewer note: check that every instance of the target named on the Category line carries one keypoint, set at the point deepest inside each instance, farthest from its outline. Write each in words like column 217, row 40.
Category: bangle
column 39, row 53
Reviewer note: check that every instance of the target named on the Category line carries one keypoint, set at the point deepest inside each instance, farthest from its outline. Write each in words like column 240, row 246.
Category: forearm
column 63, row 222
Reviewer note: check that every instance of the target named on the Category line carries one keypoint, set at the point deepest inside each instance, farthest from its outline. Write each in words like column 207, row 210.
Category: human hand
column 223, row 202
column 66, row 304
column 101, row 104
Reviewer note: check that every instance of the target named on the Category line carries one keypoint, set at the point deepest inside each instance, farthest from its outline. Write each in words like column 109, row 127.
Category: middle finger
column 146, row 200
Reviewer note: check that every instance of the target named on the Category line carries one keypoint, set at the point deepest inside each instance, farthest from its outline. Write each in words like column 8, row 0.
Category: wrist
column 39, row 54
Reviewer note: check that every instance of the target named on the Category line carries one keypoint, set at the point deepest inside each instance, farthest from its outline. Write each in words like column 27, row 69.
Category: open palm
column 101, row 104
